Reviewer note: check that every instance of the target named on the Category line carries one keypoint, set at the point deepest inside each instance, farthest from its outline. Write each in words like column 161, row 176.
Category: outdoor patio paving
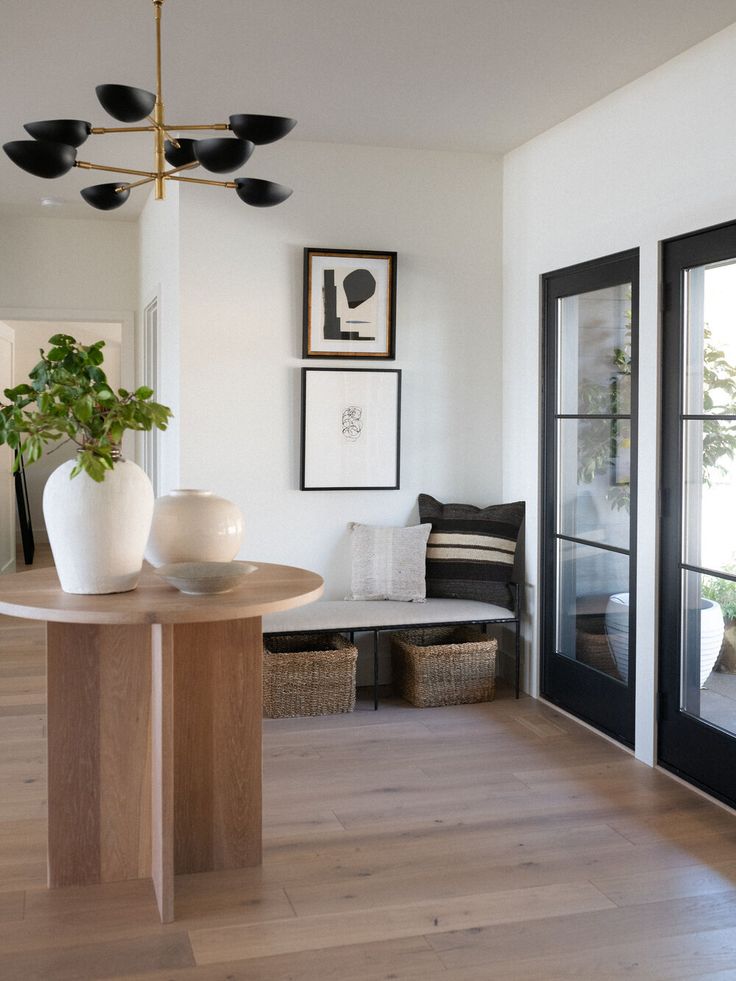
column 718, row 700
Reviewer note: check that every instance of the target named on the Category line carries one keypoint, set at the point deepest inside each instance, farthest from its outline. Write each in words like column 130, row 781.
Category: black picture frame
column 336, row 283
column 350, row 429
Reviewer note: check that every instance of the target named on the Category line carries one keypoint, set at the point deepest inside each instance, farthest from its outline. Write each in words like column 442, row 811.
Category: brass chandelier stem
column 158, row 109
column 157, row 5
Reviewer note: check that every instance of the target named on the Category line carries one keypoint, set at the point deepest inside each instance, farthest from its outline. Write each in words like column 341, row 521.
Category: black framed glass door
column 590, row 345
column 697, row 717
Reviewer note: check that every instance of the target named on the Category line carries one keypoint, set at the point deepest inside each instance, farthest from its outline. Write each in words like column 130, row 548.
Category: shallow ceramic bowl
column 201, row 578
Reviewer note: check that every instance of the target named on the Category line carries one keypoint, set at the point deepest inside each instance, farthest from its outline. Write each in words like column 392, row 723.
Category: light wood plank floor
column 497, row 841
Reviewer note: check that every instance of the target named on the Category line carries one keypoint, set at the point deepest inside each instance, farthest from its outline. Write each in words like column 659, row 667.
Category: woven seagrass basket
column 592, row 647
column 444, row 666
column 308, row 674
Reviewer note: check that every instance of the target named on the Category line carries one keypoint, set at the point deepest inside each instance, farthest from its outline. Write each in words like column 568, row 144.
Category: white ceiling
column 468, row 75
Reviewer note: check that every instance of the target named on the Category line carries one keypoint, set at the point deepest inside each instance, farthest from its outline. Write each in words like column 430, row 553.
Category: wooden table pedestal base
column 154, row 738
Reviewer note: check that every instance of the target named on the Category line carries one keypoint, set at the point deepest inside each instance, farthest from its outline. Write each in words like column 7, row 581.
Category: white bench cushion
column 367, row 614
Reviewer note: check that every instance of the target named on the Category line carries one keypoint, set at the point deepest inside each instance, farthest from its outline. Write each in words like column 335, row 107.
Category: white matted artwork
column 350, row 428
column 349, row 304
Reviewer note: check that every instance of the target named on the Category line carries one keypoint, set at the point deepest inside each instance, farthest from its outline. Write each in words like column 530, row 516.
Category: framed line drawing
column 349, row 304
column 351, row 428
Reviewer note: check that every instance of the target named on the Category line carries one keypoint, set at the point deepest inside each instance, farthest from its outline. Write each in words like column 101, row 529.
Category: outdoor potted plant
column 97, row 508
column 723, row 592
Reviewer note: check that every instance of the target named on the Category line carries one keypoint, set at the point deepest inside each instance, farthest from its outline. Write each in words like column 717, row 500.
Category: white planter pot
column 711, row 637
column 617, row 629
column 194, row 526
column 98, row 531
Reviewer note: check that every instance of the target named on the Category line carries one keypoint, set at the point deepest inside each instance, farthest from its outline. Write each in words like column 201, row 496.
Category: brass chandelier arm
column 128, row 187
column 175, row 170
column 166, row 133
column 199, row 180
column 84, row 165
column 193, row 126
column 147, row 175
column 167, row 128
column 122, row 129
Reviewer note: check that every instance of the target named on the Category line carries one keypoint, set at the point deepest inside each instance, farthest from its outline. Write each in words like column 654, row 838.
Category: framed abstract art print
column 349, row 304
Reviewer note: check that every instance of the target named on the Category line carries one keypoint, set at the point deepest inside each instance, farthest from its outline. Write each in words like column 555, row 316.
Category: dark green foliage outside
column 719, row 440
column 69, row 397
column 721, row 591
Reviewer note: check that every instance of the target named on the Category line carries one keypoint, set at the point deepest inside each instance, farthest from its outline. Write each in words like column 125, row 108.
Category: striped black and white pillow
column 470, row 552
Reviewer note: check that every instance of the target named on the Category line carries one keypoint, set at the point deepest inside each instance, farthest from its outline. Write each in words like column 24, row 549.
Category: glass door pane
column 593, row 608
column 594, row 474
column 698, row 534
column 589, row 461
column 708, row 494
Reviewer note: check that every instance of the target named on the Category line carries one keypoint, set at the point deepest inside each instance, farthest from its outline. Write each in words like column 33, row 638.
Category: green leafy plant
column 69, row 396
column 721, row 591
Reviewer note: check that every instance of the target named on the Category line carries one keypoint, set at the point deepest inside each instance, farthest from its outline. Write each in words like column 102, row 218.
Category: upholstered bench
column 378, row 616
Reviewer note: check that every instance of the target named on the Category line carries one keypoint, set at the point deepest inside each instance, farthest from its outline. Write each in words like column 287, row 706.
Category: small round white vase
column 194, row 526
column 98, row 531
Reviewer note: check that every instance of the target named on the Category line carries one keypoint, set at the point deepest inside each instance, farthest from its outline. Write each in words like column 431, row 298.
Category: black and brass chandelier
column 52, row 151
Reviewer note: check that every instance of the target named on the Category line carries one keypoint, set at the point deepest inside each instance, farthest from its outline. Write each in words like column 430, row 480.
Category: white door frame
column 150, row 374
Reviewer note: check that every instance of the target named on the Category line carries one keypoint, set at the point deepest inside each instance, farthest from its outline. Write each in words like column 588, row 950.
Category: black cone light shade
column 126, row 103
column 259, row 193
column 261, row 129
column 106, row 197
column 41, row 158
column 223, row 155
column 73, row 132
column 182, row 155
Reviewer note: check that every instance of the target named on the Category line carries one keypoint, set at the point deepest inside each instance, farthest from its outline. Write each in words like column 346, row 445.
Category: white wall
column 57, row 263
column 241, row 336
column 654, row 159
column 159, row 277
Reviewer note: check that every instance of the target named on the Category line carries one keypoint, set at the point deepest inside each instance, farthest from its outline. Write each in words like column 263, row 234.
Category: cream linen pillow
column 389, row 563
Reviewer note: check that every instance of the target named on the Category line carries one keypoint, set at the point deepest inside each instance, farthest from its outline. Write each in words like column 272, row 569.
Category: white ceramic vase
column 194, row 526
column 98, row 531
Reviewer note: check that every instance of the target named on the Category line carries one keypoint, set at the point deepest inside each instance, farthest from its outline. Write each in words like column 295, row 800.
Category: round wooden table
column 154, row 724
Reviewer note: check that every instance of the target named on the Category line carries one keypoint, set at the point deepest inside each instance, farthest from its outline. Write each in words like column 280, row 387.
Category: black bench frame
column 513, row 618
